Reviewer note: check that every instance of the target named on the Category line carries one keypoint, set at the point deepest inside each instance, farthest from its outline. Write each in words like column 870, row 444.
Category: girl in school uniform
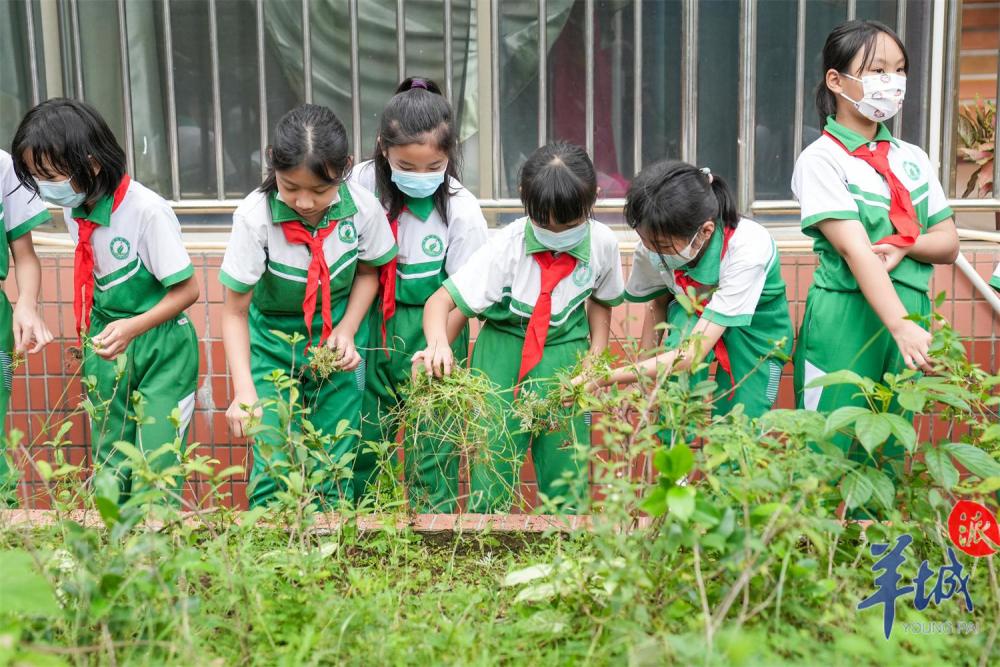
column 544, row 286
column 132, row 281
column 879, row 220
column 692, row 237
column 21, row 328
column 437, row 224
column 302, row 258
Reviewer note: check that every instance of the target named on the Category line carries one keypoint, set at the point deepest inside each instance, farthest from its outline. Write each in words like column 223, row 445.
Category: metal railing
column 939, row 112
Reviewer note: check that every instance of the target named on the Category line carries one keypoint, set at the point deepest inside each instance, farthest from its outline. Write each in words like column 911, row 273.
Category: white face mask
column 561, row 241
column 882, row 95
column 674, row 262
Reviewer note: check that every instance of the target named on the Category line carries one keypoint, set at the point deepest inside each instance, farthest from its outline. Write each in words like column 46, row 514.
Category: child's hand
column 437, row 360
column 890, row 255
column 914, row 342
column 115, row 338
column 417, row 364
column 237, row 417
column 29, row 326
column 343, row 341
column 591, row 386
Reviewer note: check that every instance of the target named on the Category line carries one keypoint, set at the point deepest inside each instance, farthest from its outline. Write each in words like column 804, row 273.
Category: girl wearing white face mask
column 437, row 224
column 694, row 239
column 879, row 220
column 544, row 286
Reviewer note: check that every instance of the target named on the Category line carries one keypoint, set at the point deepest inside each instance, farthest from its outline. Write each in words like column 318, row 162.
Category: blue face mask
column 561, row 241
column 60, row 193
column 418, row 185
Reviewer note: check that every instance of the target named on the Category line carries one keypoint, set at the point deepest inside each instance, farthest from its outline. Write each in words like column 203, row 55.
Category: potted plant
column 976, row 130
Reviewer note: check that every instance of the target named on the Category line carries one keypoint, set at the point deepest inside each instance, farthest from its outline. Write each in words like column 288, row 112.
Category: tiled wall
column 47, row 388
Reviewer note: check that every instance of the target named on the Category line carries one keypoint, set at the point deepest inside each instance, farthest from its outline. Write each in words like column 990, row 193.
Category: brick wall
column 47, row 388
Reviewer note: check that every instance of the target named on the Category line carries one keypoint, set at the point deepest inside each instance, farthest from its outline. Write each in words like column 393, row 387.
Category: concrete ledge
column 331, row 522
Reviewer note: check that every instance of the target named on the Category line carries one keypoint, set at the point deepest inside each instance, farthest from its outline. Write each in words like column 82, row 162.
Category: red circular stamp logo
column 973, row 529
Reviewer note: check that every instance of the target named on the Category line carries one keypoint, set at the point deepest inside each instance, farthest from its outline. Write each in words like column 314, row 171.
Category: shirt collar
column 851, row 139
column 420, row 208
column 100, row 214
column 342, row 207
column 532, row 245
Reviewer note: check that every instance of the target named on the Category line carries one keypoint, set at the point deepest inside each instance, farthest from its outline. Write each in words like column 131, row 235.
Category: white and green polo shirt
column 829, row 183
column 431, row 249
column 501, row 281
column 138, row 251
column 995, row 280
column 259, row 258
column 21, row 210
column 748, row 275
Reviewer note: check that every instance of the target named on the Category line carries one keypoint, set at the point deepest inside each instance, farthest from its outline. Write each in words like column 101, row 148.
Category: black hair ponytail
column 416, row 111
column 674, row 198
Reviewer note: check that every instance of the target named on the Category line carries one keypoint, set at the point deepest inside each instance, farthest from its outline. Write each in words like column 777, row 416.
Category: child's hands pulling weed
column 437, row 361
column 114, row 339
column 28, row 327
column 343, row 342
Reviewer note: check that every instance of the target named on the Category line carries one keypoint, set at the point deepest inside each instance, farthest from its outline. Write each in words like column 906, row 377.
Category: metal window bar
column 588, row 51
column 448, row 53
column 352, row 8
column 401, row 38
column 897, row 125
column 173, row 147
column 494, row 122
column 74, row 14
column 637, row 56
column 213, row 42
column 307, row 65
column 127, row 89
column 689, row 81
column 747, row 97
column 543, row 73
column 800, row 75
column 262, row 87
column 29, row 18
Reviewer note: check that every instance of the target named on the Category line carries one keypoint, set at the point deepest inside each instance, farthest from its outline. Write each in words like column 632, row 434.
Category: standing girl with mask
column 880, row 221
column 21, row 210
column 692, row 237
column 437, row 224
column 544, row 286
column 302, row 258
column 132, row 281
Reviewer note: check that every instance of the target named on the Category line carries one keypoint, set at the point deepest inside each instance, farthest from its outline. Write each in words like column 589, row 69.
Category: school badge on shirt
column 119, row 247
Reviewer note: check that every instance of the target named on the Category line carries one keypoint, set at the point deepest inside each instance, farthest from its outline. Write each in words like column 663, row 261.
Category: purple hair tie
column 418, row 83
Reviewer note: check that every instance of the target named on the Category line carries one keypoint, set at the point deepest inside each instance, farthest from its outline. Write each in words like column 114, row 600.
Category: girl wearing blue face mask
column 544, row 287
column 132, row 281
column 438, row 225
column 692, row 238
